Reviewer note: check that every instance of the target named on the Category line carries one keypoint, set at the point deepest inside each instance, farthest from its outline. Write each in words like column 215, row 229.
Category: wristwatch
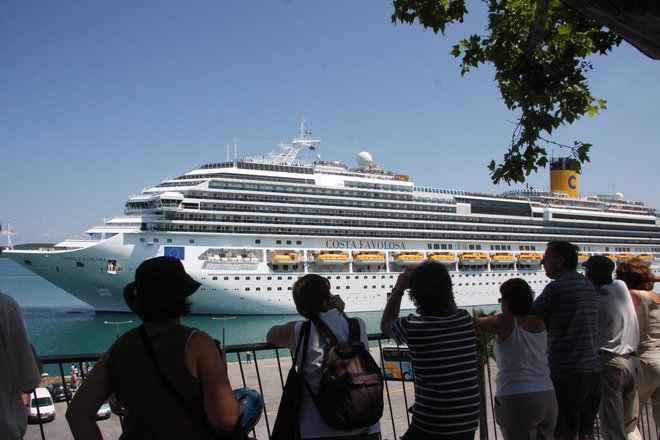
column 397, row 291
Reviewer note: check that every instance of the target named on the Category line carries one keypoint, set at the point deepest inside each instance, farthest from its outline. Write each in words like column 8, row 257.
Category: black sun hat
column 160, row 281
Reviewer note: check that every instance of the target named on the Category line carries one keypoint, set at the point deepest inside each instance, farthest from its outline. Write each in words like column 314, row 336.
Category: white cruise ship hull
column 232, row 223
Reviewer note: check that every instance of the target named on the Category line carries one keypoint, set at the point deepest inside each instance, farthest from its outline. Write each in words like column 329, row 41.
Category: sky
column 100, row 99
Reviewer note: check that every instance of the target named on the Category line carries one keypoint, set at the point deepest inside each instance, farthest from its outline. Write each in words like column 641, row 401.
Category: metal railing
column 266, row 372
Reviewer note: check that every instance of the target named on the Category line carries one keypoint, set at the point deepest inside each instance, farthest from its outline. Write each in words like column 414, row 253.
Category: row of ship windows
column 382, row 286
column 348, row 277
column 412, row 223
column 494, row 209
column 577, row 235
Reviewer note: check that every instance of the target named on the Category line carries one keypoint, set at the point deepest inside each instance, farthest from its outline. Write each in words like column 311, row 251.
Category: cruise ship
column 248, row 228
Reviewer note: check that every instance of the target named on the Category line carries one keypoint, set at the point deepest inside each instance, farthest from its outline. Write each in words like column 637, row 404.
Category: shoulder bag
column 288, row 414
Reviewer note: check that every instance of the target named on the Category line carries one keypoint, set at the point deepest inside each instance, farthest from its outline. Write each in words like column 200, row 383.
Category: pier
column 267, row 372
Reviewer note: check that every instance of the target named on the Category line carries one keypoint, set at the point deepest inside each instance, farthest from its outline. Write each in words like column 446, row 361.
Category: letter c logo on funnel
column 571, row 182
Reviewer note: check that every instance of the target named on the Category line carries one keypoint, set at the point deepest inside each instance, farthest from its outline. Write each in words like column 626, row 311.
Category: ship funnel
column 564, row 177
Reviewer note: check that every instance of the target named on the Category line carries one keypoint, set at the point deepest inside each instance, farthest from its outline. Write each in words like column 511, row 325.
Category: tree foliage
column 540, row 52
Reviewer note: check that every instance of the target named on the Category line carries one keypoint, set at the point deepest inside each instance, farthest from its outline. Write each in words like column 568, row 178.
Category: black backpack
column 351, row 392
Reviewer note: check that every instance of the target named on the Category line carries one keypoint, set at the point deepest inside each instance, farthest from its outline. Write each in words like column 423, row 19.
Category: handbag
column 235, row 434
column 288, row 414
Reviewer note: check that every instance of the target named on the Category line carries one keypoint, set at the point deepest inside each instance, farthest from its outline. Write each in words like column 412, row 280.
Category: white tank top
column 522, row 363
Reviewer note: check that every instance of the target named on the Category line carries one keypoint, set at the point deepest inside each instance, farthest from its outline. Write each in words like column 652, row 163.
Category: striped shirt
column 569, row 306
column 444, row 358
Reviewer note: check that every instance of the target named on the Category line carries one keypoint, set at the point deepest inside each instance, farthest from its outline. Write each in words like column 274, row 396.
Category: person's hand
column 403, row 281
column 336, row 302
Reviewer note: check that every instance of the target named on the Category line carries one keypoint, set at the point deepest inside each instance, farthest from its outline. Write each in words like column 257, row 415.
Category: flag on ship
column 175, row 251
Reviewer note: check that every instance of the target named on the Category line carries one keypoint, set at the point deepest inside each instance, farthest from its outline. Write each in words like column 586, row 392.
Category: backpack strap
column 330, row 338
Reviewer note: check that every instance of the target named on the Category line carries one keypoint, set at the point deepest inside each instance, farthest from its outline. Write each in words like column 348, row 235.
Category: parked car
column 41, row 406
column 59, row 391
column 104, row 411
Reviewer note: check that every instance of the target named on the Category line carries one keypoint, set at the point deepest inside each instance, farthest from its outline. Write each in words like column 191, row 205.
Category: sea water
column 58, row 323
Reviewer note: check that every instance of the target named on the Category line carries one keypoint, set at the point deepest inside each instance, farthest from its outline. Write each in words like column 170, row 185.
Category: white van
column 41, row 406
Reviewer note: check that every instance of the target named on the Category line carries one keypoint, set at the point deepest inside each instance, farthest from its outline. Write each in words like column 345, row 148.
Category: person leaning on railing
column 525, row 401
column 187, row 357
column 442, row 347
column 637, row 275
column 314, row 300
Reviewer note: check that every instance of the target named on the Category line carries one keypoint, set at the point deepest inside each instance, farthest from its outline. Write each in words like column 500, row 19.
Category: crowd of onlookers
column 587, row 345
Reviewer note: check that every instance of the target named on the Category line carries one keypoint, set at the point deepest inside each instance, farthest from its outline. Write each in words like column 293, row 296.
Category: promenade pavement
column 267, row 374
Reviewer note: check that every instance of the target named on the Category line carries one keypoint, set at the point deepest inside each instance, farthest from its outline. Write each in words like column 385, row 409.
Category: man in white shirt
column 618, row 338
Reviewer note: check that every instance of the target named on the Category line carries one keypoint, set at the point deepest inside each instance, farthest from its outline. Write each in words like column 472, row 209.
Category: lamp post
column 224, row 320
column 118, row 323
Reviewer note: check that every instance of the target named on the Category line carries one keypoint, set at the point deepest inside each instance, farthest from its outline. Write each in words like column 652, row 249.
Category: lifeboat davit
column 474, row 259
column 331, row 258
column 408, row 258
column 443, row 257
column 285, row 258
column 529, row 259
column 502, row 259
column 624, row 257
column 367, row 258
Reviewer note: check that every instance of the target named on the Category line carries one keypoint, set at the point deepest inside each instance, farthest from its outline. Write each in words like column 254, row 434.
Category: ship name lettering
column 365, row 244
column 87, row 259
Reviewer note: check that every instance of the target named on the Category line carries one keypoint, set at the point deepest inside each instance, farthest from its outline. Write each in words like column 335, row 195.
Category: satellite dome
column 618, row 196
column 364, row 159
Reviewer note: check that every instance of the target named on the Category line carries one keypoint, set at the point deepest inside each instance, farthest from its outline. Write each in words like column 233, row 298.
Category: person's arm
column 393, row 305
column 81, row 413
column 488, row 324
column 24, row 366
column 209, row 366
column 283, row 335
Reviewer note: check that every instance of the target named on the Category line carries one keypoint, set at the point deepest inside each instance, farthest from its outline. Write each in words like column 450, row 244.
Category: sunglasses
column 499, row 300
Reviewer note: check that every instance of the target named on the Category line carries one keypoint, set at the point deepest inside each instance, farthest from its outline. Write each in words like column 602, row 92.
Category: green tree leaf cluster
column 540, row 51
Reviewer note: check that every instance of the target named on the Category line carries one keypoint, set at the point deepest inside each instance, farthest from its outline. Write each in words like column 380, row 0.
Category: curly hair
column 636, row 273
column 431, row 289
column 311, row 293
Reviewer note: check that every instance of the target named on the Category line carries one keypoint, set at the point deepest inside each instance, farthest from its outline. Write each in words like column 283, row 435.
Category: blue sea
column 58, row 323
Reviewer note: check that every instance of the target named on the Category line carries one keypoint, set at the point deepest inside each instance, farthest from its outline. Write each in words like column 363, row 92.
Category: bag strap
column 330, row 338
column 176, row 395
column 304, row 332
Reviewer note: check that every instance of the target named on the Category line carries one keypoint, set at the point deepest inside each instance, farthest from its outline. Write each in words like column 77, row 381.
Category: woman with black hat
column 171, row 380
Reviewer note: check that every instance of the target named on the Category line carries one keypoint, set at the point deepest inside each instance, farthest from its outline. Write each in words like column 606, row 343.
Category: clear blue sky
column 99, row 99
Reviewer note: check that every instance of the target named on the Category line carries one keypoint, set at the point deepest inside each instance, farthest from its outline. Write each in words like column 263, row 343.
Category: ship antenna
column 227, row 152
column 9, row 233
column 302, row 129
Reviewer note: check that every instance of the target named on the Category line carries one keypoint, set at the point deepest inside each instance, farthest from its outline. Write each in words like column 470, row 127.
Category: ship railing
column 266, row 371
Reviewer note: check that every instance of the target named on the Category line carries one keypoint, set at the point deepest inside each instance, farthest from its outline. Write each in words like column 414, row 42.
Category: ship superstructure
column 248, row 228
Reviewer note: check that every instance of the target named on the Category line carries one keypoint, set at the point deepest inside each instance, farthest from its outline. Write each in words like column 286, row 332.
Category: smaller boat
column 443, row 257
column 408, row 258
column 529, row 259
column 331, row 258
column 285, row 258
column 366, row 258
column 502, row 259
column 624, row 257
column 474, row 258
